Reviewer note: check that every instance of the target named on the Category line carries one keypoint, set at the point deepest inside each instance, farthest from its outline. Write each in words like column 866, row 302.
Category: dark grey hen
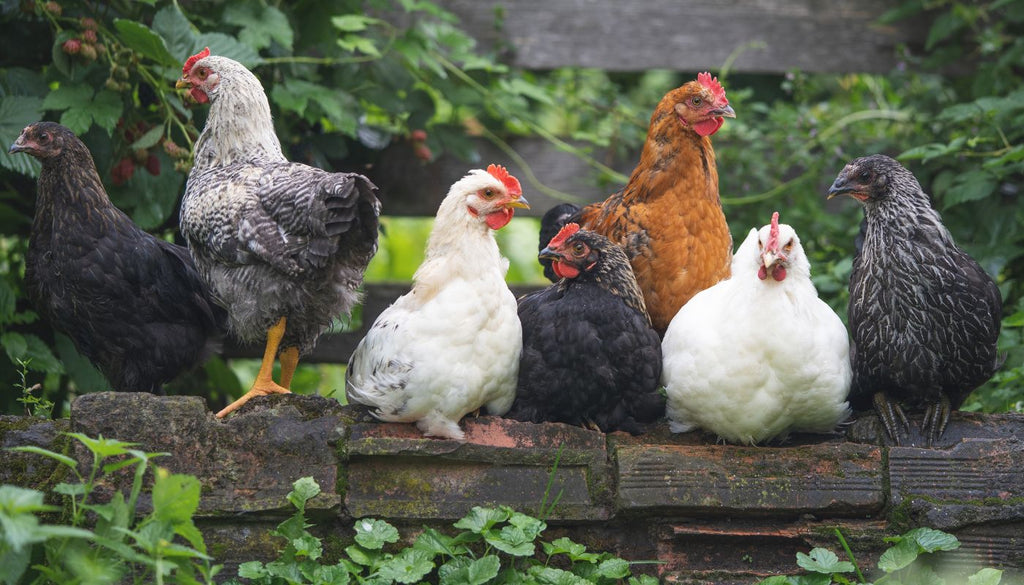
column 924, row 316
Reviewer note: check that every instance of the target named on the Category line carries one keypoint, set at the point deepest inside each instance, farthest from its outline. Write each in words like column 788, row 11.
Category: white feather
column 451, row 345
column 751, row 359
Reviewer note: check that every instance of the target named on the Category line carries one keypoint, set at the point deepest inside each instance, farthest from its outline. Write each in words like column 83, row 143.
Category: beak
column 842, row 187
column 549, row 254
column 18, row 146
column 770, row 258
column 519, row 202
column 182, row 83
column 724, row 112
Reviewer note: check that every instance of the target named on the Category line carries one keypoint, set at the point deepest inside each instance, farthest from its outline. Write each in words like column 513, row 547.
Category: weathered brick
column 396, row 472
column 821, row 478
column 246, row 462
column 30, row 470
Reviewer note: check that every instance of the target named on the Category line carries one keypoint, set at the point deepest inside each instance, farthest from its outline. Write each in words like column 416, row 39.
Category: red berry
column 89, row 23
column 53, row 8
column 89, row 35
column 153, row 165
column 422, row 151
column 71, row 46
column 122, row 171
column 418, row 135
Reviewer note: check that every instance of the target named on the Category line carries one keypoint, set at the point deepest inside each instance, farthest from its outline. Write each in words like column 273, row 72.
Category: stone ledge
column 713, row 513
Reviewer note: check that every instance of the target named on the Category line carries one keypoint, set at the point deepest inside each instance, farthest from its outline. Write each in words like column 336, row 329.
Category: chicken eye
column 487, row 193
column 865, row 176
column 579, row 248
column 44, row 137
column 202, row 73
column 696, row 100
column 788, row 246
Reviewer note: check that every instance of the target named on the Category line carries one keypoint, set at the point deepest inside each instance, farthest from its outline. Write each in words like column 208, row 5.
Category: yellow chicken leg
column 264, row 383
column 289, row 360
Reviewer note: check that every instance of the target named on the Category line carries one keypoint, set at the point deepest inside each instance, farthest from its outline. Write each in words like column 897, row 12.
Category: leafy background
column 347, row 85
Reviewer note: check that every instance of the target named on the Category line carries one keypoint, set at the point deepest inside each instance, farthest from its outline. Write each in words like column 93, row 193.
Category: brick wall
column 711, row 513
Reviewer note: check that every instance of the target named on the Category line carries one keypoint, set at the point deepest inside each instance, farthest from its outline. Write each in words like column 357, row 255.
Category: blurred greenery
column 346, row 83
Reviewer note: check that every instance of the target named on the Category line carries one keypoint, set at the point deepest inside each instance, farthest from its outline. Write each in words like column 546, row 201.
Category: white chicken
column 451, row 345
column 759, row 355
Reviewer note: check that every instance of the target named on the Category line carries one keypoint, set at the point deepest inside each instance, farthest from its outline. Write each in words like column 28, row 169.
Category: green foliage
column 494, row 545
column 108, row 542
column 901, row 564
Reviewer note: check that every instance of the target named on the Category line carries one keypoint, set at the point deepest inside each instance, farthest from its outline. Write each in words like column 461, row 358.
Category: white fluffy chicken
column 759, row 355
column 451, row 345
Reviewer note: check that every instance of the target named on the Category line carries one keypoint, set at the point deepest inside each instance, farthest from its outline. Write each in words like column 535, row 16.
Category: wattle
column 709, row 126
column 563, row 270
column 499, row 219
column 199, row 95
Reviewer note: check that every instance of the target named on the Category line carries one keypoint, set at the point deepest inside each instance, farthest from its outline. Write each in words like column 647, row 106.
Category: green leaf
column 899, row 556
column 362, row 556
column 106, row 109
column 60, row 457
column 18, row 500
column 357, row 44
column 970, row 186
column 511, row 540
column 479, row 519
column 141, row 39
column 150, row 138
column 303, row 490
column 614, row 568
column 16, row 112
column 408, row 567
column 175, row 497
column 251, row 570
column 308, row 546
column 931, row 540
column 986, row 576
column 31, row 349
column 103, row 447
column 435, row 543
column 178, row 33
column 353, row 22
column 553, row 576
column 225, row 46
column 563, row 546
column 261, row 24
column 776, row 580
column 531, row 527
column 13, row 563
column 462, row 571
column 822, row 560
column 68, row 95
column 372, row 534
column 943, row 27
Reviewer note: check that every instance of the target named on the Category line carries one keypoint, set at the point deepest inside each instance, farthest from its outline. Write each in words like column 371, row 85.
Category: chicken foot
column 890, row 414
column 264, row 383
column 936, row 416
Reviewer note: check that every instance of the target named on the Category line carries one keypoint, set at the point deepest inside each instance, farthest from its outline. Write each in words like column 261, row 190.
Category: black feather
column 133, row 304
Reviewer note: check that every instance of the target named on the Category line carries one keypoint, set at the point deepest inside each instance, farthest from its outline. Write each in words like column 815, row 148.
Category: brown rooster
column 669, row 217
column 282, row 245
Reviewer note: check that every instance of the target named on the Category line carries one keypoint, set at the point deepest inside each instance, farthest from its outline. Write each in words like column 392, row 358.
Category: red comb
column 712, row 85
column 563, row 234
column 773, row 233
column 511, row 183
column 192, row 60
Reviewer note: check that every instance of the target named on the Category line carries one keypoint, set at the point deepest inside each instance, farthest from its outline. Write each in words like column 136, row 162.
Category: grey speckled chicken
column 923, row 315
column 282, row 245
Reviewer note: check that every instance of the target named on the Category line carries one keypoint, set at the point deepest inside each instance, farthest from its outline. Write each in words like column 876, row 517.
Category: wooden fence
column 757, row 36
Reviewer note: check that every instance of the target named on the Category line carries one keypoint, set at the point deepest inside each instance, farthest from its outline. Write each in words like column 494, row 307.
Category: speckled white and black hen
column 924, row 316
column 283, row 245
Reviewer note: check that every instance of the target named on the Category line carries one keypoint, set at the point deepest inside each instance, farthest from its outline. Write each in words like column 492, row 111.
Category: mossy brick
column 30, row 470
column 832, row 478
column 396, row 472
column 246, row 462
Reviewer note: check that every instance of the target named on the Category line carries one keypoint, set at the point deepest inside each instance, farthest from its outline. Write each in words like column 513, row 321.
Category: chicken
column 924, row 316
column 590, row 356
column 759, row 355
column 282, row 245
column 450, row 345
column 669, row 218
column 133, row 304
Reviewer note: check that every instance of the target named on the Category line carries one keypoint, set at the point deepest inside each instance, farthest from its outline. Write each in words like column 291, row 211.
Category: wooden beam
column 771, row 36
column 337, row 347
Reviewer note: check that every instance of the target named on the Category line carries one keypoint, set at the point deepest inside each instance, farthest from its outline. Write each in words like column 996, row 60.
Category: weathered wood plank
column 692, row 35
column 337, row 347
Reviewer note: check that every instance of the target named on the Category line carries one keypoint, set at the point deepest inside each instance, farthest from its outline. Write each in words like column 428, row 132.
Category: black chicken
column 923, row 315
column 553, row 221
column 131, row 303
column 590, row 356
